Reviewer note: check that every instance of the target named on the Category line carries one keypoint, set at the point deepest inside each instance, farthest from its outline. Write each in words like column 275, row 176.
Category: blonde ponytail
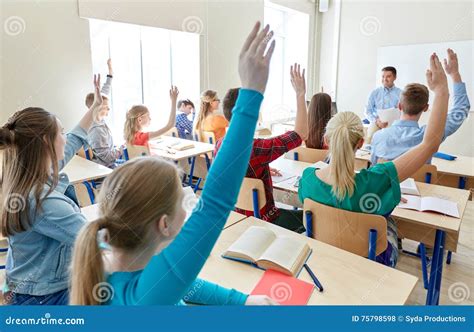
column 131, row 123
column 343, row 132
column 87, row 266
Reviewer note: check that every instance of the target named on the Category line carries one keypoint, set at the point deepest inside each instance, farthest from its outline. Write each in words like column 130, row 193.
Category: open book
column 262, row 247
column 181, row 145
column 409, row 187
column 389, row 115
column 434, row 204
column 320, row 165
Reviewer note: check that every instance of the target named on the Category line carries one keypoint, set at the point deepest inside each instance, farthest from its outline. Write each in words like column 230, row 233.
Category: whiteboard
column 412, row 61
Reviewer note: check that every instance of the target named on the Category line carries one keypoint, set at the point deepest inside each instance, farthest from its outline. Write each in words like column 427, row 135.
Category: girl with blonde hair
column 375, row 190
column 207, row 120
column 138, row 118
column 155, row 259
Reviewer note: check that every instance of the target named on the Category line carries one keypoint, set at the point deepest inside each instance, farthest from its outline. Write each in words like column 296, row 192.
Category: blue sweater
column 170, row 276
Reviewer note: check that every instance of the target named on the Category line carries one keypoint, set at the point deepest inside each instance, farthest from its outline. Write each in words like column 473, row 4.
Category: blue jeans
column 58, row 298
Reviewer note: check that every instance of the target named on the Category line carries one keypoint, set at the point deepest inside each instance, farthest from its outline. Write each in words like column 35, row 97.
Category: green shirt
column 377, row 190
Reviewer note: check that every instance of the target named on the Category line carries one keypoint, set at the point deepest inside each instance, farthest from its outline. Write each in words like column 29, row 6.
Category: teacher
column 386, row 96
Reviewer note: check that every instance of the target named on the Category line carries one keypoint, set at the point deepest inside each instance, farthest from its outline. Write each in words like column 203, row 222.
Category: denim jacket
column 38, row 259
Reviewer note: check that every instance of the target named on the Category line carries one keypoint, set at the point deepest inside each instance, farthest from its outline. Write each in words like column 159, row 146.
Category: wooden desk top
column 159, row 147
column 91, row 213
column 80, row 169
column 289, row 166
column 347, row 278
column 436, row 220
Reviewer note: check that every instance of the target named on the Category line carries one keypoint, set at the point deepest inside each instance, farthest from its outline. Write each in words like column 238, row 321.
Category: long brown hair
column 343, row 132
column 319, row 114
column 28, row 142
column 131, row 123
column 132, row 198
column 207, row 98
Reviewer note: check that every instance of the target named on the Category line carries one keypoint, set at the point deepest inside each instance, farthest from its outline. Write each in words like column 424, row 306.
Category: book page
column 284, row 176
column 409, row 187
column 413, row 203
column 389, row 115
column 320, row 165
column 252, row 243
column 440, row 205
column 284, row 251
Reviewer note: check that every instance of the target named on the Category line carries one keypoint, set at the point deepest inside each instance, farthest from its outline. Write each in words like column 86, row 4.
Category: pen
column 316, row 281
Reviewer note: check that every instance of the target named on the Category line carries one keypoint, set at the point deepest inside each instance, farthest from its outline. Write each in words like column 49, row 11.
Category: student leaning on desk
column 339, row 186
column 389, row 143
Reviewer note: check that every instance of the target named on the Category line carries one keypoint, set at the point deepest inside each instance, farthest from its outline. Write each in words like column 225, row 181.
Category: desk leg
column 208, row 162
column 90, row 191
column 436, row 271
column 191, row 171
column 424, row 264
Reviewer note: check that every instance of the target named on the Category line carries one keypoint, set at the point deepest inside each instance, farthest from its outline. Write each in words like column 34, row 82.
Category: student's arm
column 299, row 85
column 172, row 118
column 170, row 274
column 270, row 149
column 108, row 81
column 58, row 220
column 205, row 292
column 461, row 105
column 409, row 162
column 371, row 108
column 92, row 114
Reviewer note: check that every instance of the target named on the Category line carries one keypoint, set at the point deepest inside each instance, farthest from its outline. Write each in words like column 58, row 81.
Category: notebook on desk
column 430, row 204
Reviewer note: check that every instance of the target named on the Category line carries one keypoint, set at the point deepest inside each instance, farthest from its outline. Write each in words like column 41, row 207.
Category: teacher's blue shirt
column 382, row 98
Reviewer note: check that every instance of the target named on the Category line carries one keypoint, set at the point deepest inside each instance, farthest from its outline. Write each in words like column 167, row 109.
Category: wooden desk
column 80, row 169
column 91, row 213
column 159, row 147
column 347, row 278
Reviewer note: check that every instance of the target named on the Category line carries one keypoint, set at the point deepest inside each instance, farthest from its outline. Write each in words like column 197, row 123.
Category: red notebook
column 284, row 289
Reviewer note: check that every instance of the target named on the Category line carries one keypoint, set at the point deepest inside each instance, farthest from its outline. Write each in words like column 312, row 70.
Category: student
column 319, row 114
column 138, row 118
column 183, row 124
column 403, row 134
column 207, row 120
column 41, row 223
column 264, row 151
column 386, row 96
column 339, row 186
column 154, row 261
column 99, row 135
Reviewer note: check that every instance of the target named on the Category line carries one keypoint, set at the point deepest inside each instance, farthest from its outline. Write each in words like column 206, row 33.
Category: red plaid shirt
column 265, row 151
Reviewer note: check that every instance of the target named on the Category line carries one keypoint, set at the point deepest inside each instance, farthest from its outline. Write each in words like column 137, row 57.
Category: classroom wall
column 367, row 25
column 45, row 58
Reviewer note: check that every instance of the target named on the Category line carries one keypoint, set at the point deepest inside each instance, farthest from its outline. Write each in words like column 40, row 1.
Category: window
column 291, row 30
column 146, row 61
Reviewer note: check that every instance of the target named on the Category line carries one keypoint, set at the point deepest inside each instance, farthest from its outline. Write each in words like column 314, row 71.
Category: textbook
column 409, row 187
column 181, row 146
column 260, row 246
column 433, row 204
column 389, row 115
column 284, row 289
column 284, row 176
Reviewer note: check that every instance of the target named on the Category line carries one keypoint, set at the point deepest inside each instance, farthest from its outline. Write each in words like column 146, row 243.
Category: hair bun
column 6, row 137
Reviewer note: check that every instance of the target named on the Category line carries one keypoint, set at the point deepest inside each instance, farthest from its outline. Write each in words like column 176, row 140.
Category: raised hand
column 451, row 65
column 254, row 65
column 174, row 92
column 435, row 76
column 96, row 105
column 109, row 65
column 298, row 80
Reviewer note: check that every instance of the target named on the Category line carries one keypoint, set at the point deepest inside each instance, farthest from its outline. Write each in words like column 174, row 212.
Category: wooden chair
column 362, row 234
column 427, row 173
column 307, row 155
column 200, row 171
column 85, row 193
column 207, row 137
column 134, row 151
column 172, row 132
column 85, row 153
column 252, row 196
